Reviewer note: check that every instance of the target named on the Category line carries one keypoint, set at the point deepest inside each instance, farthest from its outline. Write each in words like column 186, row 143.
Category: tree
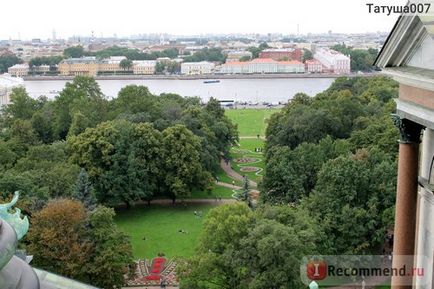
column 49, row 169
column 213, row 267
column 160, row 67
column 269, row 256
column 133, row 100
column 307, row 54
column 245, row 58
column 52, row 61
column 83, row 190
column 56, row 239
column 173, row 67
column 82, row 95
column 182, row 166
column 351, row 197
column 73, row 52
column 7, row 61
column 207, row 54
column 244, row 249
column 87, row 246
column 21, row 105
column 126, row 64
column 112, row 251
column 121, row 158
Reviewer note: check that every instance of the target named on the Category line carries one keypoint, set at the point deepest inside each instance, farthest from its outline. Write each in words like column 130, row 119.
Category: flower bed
column 249, row 169
column 246, row 160
column 151, row 273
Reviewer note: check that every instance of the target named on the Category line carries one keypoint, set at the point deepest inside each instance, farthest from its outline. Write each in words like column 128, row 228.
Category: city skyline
column 192, row 18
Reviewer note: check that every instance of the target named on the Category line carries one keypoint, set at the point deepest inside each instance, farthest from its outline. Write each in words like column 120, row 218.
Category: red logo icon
column 316, row 270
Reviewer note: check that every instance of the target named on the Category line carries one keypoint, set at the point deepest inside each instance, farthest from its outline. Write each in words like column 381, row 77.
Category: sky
column 28, row 19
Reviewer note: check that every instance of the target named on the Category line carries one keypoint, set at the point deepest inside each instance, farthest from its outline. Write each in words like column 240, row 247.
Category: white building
column 41, row 69
column 144, row 66
column 333, row 61
column 262, row 65
column 197, row 68
column 7, row 83
column 19, row 70
column 313, row 66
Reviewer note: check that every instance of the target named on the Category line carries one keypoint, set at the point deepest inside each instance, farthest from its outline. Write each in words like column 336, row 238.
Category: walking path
column 233, row 174
column 230, row 186
column 252, row 137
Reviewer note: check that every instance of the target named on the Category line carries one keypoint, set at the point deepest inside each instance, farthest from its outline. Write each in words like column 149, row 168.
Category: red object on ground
column 153, row 277
column 156, row 268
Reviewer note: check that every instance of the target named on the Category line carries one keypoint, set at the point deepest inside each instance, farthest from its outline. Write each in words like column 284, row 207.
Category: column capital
column 409, row 130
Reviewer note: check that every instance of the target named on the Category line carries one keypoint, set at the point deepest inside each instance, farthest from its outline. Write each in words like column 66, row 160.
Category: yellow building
column 19, row 70
column 144, row 66
column 111, row 65
column 88, row 66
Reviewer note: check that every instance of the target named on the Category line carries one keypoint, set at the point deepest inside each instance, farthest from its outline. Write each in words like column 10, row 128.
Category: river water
column 249, row 90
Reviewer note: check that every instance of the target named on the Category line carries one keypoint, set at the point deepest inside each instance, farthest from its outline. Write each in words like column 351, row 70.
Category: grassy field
column 251, row 122
column 218, row 191
column 155, row 229
column 160, row 226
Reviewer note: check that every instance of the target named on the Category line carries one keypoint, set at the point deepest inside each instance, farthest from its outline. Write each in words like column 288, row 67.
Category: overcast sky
column 38, row 18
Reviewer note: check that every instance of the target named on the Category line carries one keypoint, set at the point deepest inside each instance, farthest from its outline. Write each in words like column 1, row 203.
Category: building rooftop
column 24, row 65
column 6, row 80
column 88, row 59
column 278, row 50
column 265, row 61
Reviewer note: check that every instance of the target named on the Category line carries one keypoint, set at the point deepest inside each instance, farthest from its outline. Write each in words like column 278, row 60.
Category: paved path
column 230, row 186
column 168, row 202
column 252, row 137
column 233, row 174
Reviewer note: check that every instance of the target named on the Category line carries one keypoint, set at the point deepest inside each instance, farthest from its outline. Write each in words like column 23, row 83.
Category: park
column 173, row 231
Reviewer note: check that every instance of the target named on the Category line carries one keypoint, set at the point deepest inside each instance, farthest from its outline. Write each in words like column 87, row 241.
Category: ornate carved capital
column 409, row 130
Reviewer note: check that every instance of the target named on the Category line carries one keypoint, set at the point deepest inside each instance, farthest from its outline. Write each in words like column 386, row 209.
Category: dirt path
column 233, row 174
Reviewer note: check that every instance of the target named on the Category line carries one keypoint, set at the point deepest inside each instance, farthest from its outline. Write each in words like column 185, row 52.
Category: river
column 248, row 90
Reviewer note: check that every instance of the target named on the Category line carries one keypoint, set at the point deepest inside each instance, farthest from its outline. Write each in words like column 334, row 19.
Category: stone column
column 406, row 197
column 425, row 220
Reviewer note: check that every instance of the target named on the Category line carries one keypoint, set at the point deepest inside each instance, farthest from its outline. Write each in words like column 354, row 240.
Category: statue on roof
column 13, row 216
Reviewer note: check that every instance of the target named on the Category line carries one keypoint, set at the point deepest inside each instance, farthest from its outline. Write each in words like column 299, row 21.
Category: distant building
column 237, row 55
column 165, row 60
column 144, row 66
column 333, row 61
column 88, row 66
column 111, row 64
column 260, row 65
column 313, row 66
column 41, row 69
column 7, row 83
column 282, row 54
column 197, row 68
column 19, row 70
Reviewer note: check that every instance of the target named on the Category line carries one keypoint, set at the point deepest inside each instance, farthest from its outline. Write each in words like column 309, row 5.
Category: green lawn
column 160, row 226
column 251, row 143
column 218, row 191
column 251, row 122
